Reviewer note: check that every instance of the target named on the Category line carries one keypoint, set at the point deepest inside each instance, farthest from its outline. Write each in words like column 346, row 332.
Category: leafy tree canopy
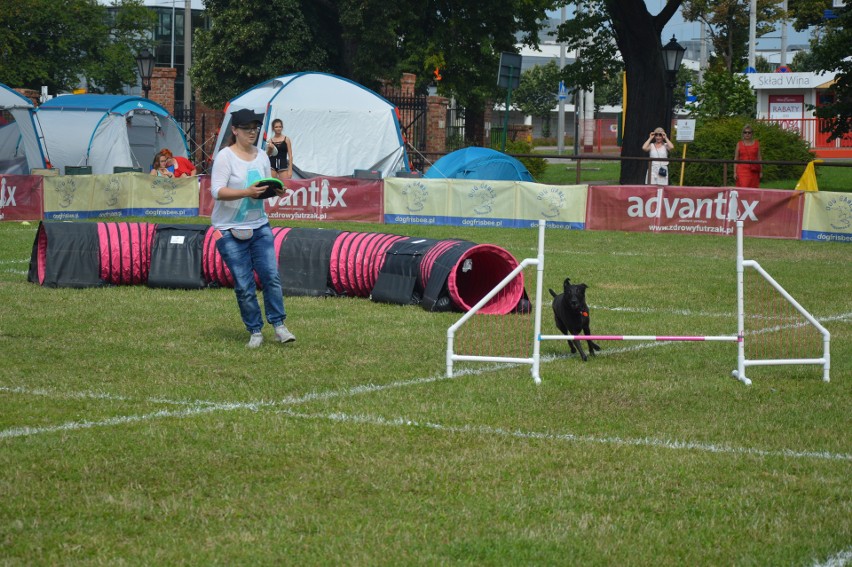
column 537, row 93
column 723, row 94
column 728, row 25
column 831, row 51
column 60, row 44
column 364, row 40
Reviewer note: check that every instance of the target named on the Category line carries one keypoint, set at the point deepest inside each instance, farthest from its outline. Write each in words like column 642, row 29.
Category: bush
column 536, row 166
column 717, row 139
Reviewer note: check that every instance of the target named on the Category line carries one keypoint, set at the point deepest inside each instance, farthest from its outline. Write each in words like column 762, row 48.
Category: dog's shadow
column 572, row 315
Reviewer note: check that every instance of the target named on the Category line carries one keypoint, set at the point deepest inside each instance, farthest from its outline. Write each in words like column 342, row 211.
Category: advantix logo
column 324, row 196
column 689, row 208
column 7, row 194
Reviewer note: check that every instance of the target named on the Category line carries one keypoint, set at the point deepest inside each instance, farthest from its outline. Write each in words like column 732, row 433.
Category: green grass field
column 136, row 428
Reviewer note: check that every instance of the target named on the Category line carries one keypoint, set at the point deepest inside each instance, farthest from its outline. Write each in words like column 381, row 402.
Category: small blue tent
column 479, row 163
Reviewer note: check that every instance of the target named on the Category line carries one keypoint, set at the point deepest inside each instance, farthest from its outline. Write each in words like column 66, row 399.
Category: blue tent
column 479, row 163
column 107, row 131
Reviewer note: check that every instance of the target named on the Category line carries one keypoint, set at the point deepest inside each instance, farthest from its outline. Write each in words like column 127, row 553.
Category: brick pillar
column 163, row 87
column 436, row 126
column 31, row 94
column 406, row 84
column 207, row 123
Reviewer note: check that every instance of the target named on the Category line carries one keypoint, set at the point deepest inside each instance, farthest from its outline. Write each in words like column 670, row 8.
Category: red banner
column 700, row 210
column 319, row 198
column 21, row 197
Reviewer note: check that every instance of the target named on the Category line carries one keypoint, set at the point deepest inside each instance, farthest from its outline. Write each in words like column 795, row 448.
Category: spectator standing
column 281, row 157
column 658, row 147
column 748, row 149
column 244, row 238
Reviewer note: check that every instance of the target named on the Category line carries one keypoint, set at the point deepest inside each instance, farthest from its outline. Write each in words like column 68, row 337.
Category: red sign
column 329, row 198
column 698, row 210
column 319, row 198
column 21, row 197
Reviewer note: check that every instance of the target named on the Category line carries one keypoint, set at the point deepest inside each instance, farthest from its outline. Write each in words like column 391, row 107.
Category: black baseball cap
column 245, row 116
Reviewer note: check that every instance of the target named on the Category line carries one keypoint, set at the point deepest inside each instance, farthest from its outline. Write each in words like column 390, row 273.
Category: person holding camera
column 658, row 146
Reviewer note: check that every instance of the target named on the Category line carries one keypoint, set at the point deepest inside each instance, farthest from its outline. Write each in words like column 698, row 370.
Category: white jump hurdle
column 739, row 337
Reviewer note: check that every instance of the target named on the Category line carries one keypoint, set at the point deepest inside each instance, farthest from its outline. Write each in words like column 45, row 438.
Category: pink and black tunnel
column 439, row 275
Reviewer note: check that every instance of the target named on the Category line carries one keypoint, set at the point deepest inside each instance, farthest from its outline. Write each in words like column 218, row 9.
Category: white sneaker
column 255, row 341
column 283, row 334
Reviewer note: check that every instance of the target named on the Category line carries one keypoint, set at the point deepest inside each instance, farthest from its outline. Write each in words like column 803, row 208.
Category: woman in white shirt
column 244, row 238
column 658, row 146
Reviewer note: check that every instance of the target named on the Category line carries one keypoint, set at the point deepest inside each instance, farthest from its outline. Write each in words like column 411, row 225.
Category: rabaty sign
column 786, row 107
column 328, row 198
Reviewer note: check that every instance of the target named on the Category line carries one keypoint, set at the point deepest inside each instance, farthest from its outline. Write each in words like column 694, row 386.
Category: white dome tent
column 19, row 148
column 336, row 126
column 107, row 131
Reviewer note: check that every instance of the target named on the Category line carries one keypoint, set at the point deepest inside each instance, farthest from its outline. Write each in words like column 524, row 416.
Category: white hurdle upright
column 739, row 338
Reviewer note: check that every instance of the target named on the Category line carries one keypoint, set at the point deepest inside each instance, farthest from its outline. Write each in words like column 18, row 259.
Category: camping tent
column 107, row 131
column 19, row 148
column 336, row 126
column 479, row 163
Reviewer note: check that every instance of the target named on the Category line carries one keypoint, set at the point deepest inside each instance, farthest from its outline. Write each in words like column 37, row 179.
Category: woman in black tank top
column 282, row 161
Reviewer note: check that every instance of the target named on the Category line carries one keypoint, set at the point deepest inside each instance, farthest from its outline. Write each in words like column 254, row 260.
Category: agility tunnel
column 439, row 275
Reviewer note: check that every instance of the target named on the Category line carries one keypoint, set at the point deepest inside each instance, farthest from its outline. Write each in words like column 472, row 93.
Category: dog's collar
column 584, row 313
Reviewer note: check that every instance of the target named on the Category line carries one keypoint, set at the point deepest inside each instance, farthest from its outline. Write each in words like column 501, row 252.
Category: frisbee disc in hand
column 271, row 185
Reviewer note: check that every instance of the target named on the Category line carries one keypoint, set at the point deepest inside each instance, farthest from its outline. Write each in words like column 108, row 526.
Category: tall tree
column 249, row 42
column 537, row 93
column 727, row 23
column 61, row 44
column 831, row 51
column 367, row 41
column 628, row 26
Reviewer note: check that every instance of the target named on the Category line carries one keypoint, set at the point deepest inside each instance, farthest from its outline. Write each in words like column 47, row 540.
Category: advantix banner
column 695, row 210
column 769, row 213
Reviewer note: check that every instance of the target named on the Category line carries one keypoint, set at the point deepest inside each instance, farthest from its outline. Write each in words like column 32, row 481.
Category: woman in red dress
column 748, row 149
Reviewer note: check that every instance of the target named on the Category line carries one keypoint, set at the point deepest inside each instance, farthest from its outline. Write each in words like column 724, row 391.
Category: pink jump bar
column 727, row 338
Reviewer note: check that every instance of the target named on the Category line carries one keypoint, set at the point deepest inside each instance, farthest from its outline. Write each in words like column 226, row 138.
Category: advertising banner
column 416, row 201
column 481, row 203
column 21, row 197
column 562, row 206
column 328, row 199
column 73, row 197
column 154, row 196
column 828, row 217
column 698, row 210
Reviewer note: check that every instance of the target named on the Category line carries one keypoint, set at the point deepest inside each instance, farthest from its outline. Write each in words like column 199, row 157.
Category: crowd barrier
column 822, row 216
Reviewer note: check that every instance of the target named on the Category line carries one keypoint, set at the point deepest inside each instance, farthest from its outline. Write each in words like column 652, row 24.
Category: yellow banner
column 71, row 197
column 562, row 206
column 474, row 202
column 416, row 201
column 828, row 217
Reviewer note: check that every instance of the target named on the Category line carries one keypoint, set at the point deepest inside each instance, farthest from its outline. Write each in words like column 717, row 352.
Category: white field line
column 202, row 406
column 839, row 559
column 568, row 437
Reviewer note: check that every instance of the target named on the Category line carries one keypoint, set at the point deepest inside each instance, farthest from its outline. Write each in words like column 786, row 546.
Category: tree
column 723, row 94
column 606, row 27
column 249, row 42
column 831, row 51
column 536, row 95
column 728, row 26
column 366, row 41
column 60, row 44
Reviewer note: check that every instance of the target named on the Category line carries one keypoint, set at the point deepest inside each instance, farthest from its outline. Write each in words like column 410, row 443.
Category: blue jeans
column 244, row 258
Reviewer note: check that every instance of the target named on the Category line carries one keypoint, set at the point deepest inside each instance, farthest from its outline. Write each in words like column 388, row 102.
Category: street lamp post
column 145, row 62
column 672, row 58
